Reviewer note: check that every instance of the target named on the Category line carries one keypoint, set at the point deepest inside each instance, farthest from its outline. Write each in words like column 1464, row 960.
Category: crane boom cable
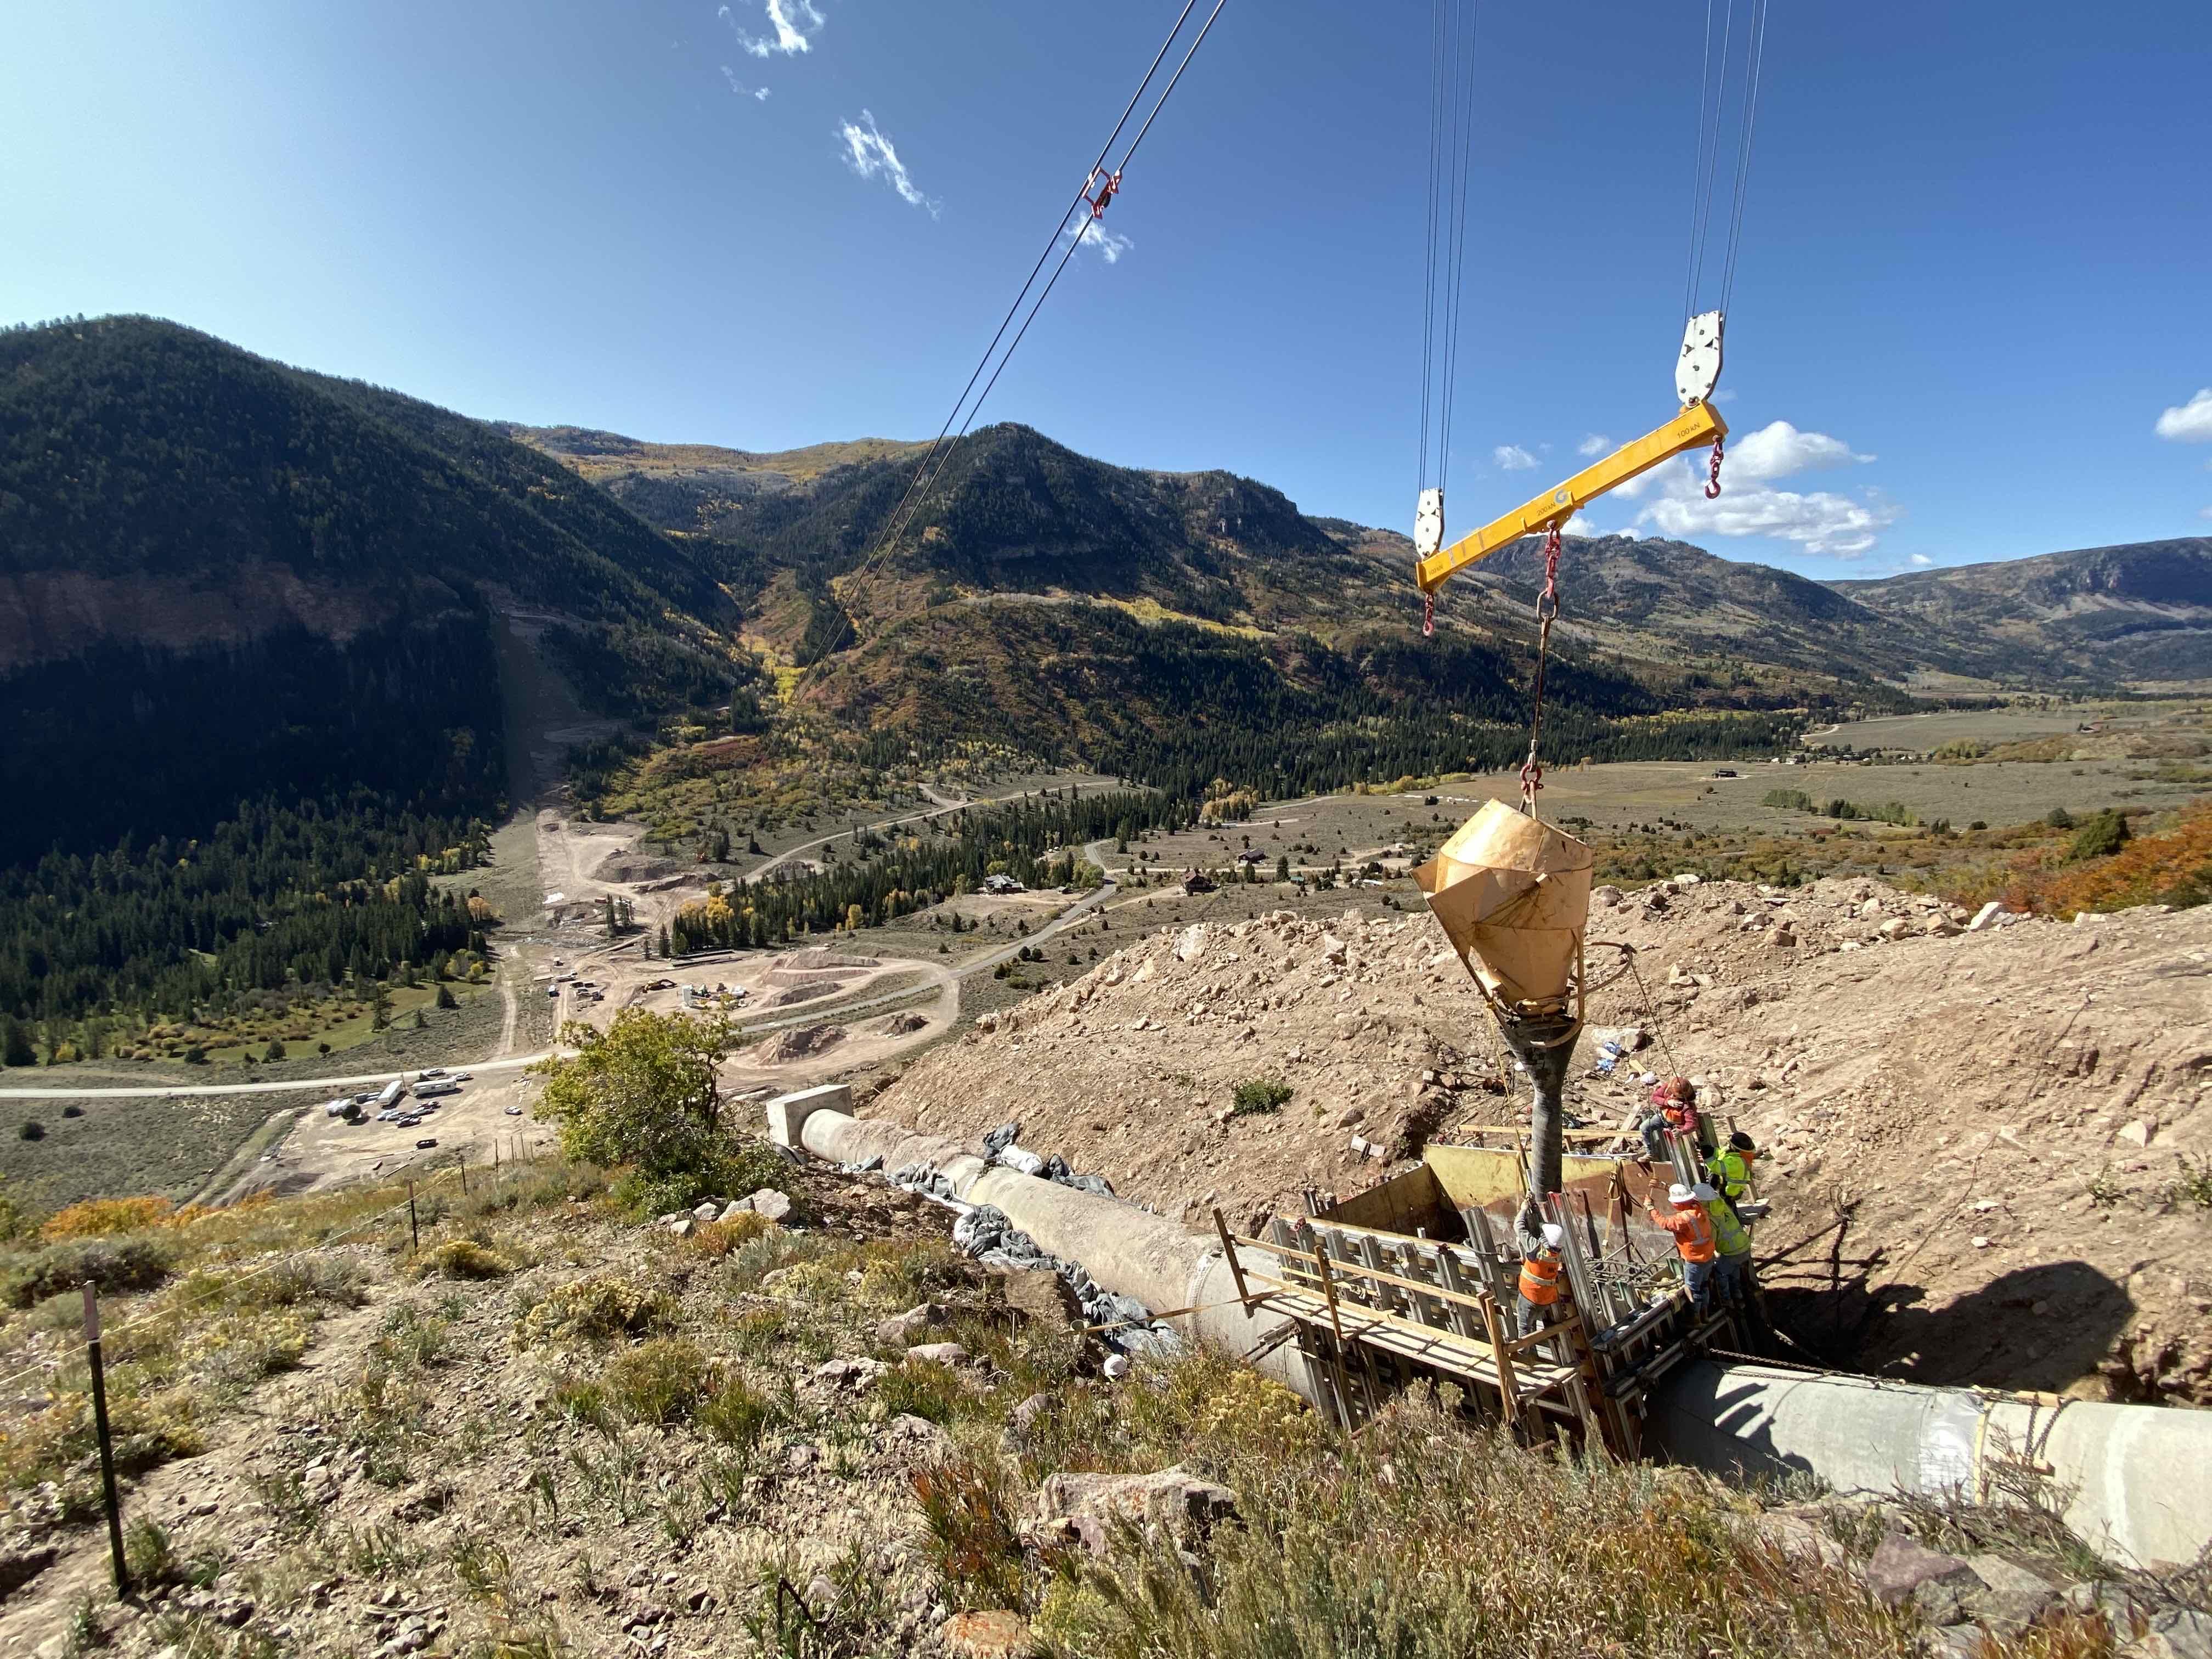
column 1058, row 230
column 1429, row 254
column 1463, row 139
column 926, row 479
column 1755, row 57
column 1709, row 158
column 1697, row 170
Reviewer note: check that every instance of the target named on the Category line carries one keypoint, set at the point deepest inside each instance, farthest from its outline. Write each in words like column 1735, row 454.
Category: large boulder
column 1174, row 1503
column 1903, row 1571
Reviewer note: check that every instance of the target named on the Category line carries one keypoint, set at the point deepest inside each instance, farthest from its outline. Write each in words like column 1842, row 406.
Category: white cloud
column 793, row 21
column 2204, row 512
column 2188, row 422
column 1093, row 233
column 760, row 94
column 1922, row 558
column 1778, row 449
column 1820, row 521
column 870, row 154
column 1512, row 457
column 1727, row 396
column 1597, row 444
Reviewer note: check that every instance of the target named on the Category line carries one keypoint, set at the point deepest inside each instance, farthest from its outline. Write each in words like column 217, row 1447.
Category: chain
column 1713, row 482
column 1428, row 615
column 1547, row 611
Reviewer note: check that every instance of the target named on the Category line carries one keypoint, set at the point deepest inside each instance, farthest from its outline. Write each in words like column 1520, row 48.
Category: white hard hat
column 1678, row 1193
column 1704, row 1194
column 1553, row 1233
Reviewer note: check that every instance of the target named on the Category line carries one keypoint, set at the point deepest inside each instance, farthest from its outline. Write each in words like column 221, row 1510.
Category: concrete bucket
column 1513, row 894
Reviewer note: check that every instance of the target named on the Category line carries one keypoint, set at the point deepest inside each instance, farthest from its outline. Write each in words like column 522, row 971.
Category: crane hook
column 1713, row 483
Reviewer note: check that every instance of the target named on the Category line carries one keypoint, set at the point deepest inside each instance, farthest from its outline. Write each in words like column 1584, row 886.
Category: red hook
column 1713, row 485
column 1428, row 615
column 1106, row 191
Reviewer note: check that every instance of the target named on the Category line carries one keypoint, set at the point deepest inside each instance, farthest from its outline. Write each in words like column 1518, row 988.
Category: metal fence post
column 413, row 1233
column 94, row 1359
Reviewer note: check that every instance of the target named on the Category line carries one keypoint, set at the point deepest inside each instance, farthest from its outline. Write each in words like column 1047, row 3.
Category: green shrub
column 1789, row 800
column 736, row 1413
column 1259, row 1095
column 920, row 1388
column 970, row 1524
column 2059, row 818
column 595, row 1307
column 2100, row 837
column 461, row 1258
column 114, row 1266
column 661, row 1381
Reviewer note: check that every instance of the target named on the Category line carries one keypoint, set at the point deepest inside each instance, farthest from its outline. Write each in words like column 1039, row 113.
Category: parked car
column 425, row 1145
column 462, row 1077
column 429, row 1072
column 514, row 1111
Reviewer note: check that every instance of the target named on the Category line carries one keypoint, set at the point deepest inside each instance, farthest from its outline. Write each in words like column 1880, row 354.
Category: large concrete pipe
column 2136, row 1480
column 1132, row 1252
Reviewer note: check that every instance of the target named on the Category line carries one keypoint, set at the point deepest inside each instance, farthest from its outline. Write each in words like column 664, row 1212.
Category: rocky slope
column 1979, row 1144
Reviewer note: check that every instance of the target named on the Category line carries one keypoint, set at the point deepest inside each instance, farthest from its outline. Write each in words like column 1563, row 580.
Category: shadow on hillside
column 2040, row 1327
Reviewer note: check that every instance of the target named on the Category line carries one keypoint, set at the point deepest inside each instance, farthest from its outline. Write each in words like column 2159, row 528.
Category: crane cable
column 1712, row 112
column 1712, row 101
column 1451, row 145
column 1074, row 225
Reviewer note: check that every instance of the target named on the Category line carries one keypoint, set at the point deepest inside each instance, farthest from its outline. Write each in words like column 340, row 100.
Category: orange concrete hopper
column 1513, row 894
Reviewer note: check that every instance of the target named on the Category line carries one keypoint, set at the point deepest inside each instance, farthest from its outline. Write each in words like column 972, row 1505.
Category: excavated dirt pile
column 1986, row 1149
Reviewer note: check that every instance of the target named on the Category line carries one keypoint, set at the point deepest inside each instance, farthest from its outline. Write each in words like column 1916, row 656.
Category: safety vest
column 1539, row 1279
column 1731, row 1172
column 1730, row 1236
column 1692, row 1230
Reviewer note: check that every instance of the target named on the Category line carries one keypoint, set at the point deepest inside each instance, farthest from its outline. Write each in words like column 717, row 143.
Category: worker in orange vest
column 1693, row 1241
column 1540, row 1280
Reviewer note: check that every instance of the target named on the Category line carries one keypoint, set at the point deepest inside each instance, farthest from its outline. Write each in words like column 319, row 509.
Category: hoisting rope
column 1100, row 187
column 1451, row 152
column 1712, row 103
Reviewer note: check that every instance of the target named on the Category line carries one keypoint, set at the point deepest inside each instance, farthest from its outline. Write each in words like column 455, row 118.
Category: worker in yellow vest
column 1729, row 1169
column 1731, row 1245
column 1540, row 1280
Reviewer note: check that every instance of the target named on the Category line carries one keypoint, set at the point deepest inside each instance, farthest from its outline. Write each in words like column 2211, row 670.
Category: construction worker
column 1730, row 1168
column 1674, row 1106
column 1732, row 1245
column 1539, row 1279
column 1693, row 1242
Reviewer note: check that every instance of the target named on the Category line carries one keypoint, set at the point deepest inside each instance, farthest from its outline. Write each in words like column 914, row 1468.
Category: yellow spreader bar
column 1695, row 427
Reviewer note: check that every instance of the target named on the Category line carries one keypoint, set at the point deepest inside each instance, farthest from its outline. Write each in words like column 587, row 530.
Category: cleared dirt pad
column 1974, row 1140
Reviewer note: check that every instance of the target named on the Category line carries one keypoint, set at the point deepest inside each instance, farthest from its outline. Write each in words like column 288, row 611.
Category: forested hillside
column 249, row 677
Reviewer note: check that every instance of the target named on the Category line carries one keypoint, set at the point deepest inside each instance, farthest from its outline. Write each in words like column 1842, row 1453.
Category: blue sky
column 1973, row 280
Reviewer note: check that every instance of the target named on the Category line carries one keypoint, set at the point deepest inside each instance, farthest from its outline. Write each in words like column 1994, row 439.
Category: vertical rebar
column 414, row 1233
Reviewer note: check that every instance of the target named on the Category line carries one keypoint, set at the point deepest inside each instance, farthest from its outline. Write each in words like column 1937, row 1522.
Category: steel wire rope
column 1463, row 140
column 928, row 483
column 1755, row 60
column 1428, row 247
column 1709, row 155
column 1697, row 170
column 1059, row 229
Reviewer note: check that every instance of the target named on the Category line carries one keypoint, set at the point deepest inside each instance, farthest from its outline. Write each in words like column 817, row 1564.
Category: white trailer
column 394, row 1093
